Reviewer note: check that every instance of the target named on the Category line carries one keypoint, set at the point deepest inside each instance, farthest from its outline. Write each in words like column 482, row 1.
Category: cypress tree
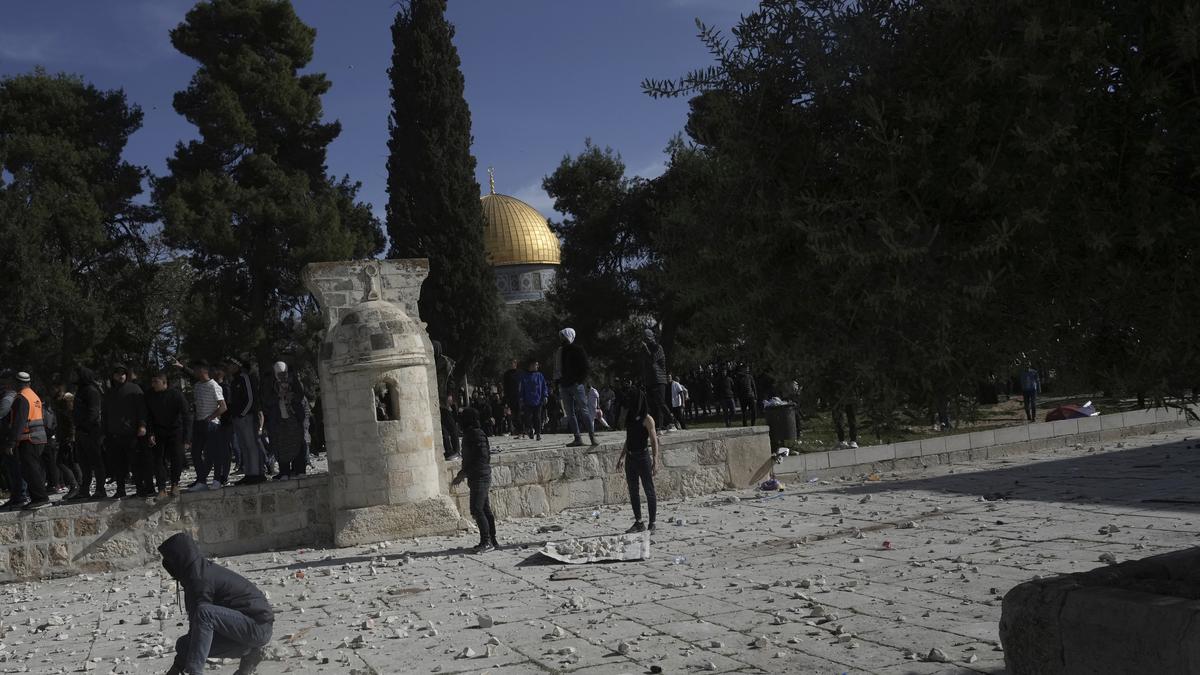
column 251, row 200
column 433, row 208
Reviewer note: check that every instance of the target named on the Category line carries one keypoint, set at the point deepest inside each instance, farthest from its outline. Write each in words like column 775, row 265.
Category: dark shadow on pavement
column 1162, row 476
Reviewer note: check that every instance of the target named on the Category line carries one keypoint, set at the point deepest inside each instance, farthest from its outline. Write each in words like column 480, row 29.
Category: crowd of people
column 81, row 435
column 527, row 402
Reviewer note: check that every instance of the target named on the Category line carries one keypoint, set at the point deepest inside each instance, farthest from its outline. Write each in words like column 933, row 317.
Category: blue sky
column 541, row 75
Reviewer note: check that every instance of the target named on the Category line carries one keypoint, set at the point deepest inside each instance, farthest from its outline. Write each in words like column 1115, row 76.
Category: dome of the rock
column 520, row 247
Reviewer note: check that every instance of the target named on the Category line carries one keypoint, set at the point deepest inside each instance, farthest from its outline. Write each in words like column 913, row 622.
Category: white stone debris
column 556, row 634
column 1109, row 529
column 467, row 653
column 623, row 648
column 761, row 642
column 936, row 655
column 485, row 621
column 1108, row 558
column 494, row 641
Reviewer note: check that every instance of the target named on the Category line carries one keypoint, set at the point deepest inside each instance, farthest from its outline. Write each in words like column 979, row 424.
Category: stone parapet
column 1000, row 442
column 547, row 480
column 118, row 535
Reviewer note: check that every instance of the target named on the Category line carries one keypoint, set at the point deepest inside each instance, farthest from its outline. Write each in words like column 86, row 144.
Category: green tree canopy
column 75, row 259
column 250, row 202
column 433, row 208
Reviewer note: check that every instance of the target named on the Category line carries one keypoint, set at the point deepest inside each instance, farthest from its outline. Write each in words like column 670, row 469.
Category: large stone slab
column 1141, row 616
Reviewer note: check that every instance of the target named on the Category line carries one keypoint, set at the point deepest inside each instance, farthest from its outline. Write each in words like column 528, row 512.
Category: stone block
column 10, row 533
column 983, row 439
column 1015, row 434
column 1134, row 418
column 1040, row 430
column 958, row 442
column 60, row 555
column 1066, row 427
column 502, row 476
column 249, row 506
column 816, row 461
column 87, row 526
column 62, row 528
column 1112, row 421
column 680, row 456
column 249, row 528
column 690, row 482
column 873, row 454
column 577, row 494
column 712, row 452
column 26, row 562
column 929, row 446
column 1089, row 424
column 840, row 458
column 37, row 530
column 551, row 469
column 526, row 473
column 579, row 466
column 914, row 449
column 266, row 504
column 616, row 490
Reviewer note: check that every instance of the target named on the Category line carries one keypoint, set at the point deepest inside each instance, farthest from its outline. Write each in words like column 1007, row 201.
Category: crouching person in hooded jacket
column 228, row 617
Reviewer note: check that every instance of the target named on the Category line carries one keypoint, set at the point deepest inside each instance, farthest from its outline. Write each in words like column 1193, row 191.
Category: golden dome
column 514, row 233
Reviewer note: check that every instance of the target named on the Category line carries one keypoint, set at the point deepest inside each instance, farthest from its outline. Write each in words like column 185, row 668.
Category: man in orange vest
column 26, row 438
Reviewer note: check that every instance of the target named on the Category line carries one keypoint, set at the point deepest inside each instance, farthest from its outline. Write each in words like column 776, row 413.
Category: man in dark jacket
column 246, row 421
column 655, row 381
column 124, row 423
column 477, row 470
column 89, row 434
column 169, row 420
column 748, row 394
column 512, row 394
column 228, row 617
column 574, row 395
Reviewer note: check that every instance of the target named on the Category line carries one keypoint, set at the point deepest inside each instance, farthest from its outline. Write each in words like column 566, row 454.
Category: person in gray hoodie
column 228, row 616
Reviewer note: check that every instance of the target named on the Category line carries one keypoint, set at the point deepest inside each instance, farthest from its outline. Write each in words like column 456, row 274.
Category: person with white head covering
column 573, row 373
column 285, row 408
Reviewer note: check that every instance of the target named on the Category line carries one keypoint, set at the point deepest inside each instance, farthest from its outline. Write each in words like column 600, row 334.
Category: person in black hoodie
column 228, row 617
column 477, row 470
column 169, row 419
column 655, row 380
column 124, row 423
column 89, row 434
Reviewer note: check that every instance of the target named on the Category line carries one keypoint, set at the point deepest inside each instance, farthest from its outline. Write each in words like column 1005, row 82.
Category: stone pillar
column 385, row 474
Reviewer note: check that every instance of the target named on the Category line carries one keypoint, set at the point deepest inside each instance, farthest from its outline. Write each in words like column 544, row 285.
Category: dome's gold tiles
column 516, row 234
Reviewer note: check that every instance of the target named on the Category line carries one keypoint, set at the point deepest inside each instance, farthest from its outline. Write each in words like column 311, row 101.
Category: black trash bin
column 781, row 419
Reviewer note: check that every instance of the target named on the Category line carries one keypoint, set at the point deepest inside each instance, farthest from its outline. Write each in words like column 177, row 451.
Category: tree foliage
column 76, row 258
column 250, row 202
column 925, row 193
column 433, row 208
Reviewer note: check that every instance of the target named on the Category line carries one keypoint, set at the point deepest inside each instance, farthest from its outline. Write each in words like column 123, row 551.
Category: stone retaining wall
column 115, row 535
column 1001, row 442
column 545, row 481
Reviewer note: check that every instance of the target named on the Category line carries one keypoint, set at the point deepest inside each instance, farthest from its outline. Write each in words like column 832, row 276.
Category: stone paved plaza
column 849, row 576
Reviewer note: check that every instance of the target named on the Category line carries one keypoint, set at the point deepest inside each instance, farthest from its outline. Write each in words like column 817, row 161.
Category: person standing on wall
column 641, row 450
column 654, row 379
column 18, row 496
column 679, row 398
column 534, row 393
column 748, row 394
column 169, row 419
column 724, row 391
column 26, row 434
column 208, row 444
column 89, row 432
column 245, row 422
column 511, row 384
column 574, row 397
column 1031, row 386
column 285, row 406
column 124, row 411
